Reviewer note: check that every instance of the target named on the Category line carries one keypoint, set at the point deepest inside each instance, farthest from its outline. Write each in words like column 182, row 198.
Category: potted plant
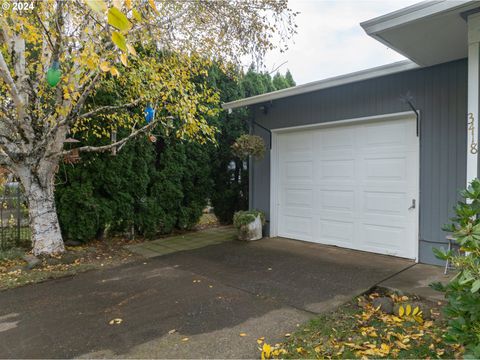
column 249, row 224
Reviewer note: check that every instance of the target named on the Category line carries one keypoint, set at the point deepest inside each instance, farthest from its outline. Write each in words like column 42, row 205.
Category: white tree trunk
column 44, row 226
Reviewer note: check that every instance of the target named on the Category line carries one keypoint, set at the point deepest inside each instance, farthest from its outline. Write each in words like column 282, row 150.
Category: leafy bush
column 242, row 218
column 462, row 292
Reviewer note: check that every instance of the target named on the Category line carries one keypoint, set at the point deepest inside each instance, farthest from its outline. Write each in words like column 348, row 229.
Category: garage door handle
column 413, row 206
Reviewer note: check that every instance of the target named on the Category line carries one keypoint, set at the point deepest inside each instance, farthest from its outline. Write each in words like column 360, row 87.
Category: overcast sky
column 330, row 40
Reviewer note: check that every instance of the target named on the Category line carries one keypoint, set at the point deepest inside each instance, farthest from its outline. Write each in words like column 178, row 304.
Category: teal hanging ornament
column 54, row 74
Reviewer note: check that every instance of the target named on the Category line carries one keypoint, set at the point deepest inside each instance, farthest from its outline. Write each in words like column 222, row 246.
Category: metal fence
column 14, row 227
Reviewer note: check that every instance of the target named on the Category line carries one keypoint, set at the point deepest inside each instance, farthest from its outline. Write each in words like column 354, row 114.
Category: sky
column 330, row 41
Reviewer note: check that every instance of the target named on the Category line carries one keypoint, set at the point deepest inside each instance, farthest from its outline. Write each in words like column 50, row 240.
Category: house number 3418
column 471, row 129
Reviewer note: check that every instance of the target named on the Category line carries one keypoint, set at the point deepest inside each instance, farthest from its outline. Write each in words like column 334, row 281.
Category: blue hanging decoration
column 54, row 74
column 149, row 114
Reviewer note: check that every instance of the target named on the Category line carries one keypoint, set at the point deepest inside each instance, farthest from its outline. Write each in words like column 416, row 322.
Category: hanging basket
column 74, row 155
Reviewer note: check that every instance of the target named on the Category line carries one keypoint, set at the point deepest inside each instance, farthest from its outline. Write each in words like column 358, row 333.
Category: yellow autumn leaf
column 131, row 50
column 401, row 345
column 128, row 4
column 416, row 310
column 408, row 311
column 119, row 40
column 243, row 334
column 123, row 59
column 136, row 15
column 114, row 71
column 185, row 339
column 104, row 66
column 97, row 5
column 266, row 351
column 401, row 311
column 118, row 19
column 153, row 6
column 116, row 321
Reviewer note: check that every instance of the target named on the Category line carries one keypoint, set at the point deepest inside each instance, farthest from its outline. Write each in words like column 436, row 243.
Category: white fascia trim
column 383, row 70
column 411, row 13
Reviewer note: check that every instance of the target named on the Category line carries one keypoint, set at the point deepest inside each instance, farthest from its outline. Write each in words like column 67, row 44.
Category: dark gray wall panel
column 439, row 92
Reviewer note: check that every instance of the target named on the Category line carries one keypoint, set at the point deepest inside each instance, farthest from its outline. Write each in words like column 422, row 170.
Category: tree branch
column 13, row 90
column 4, row 159
column 115, row 144
column 107, row 108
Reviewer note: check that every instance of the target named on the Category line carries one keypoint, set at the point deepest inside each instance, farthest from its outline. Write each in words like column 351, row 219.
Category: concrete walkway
column 188, row 241
column 416, row 280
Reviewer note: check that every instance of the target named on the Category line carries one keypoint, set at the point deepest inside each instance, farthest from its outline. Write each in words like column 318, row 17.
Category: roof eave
column 375, row 72
column 409, row 14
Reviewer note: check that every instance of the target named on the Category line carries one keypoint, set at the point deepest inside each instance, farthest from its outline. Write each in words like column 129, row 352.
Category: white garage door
column 354, row 186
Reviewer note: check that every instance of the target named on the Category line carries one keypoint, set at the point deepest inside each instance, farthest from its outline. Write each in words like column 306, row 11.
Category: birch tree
column 55, row 53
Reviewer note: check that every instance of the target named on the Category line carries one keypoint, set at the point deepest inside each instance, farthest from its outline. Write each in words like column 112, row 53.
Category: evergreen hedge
column 155, row 188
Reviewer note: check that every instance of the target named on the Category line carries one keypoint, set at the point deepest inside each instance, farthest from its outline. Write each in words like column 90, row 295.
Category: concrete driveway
column 190, row 304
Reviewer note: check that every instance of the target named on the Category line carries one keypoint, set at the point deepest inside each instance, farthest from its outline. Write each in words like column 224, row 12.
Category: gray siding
column 439, row 92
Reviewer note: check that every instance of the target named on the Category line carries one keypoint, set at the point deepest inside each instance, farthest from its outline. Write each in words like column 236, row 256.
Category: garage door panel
column 297, row 227
column 386, row 169
column 351, row 186
column 335, row 141
column 334, row 232
column 385, row 203
column 299, row 142
column 337, row 169
column 299, row 198
column 336, row 200
column 386, row 135
column 391, row 239
column 298, row 171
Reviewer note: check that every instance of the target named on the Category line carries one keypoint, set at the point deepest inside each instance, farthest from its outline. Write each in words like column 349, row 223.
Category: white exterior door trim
column 274, row 164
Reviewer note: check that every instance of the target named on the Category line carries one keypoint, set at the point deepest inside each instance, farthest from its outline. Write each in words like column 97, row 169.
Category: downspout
column 417, row 115
column 253, row 122
column 250, row 171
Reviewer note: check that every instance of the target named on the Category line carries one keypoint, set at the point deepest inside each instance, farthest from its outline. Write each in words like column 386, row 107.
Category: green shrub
column 153, row 188
column 242, row 218
column 462, row 292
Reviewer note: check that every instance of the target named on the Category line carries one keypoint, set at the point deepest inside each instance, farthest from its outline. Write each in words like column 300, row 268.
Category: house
column 373, row 160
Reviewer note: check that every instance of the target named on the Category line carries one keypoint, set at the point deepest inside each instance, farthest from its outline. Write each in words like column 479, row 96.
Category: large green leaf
column 119, row 40
column 118, row 19
column 97, row 5
column 475, row 286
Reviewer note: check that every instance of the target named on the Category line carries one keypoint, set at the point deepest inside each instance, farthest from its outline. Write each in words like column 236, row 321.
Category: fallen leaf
column 185, row 339
column 243, row 334
column 172, row 331
column 116, row 321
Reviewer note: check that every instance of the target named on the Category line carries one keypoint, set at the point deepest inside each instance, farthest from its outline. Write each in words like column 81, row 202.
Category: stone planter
column 251, row 231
